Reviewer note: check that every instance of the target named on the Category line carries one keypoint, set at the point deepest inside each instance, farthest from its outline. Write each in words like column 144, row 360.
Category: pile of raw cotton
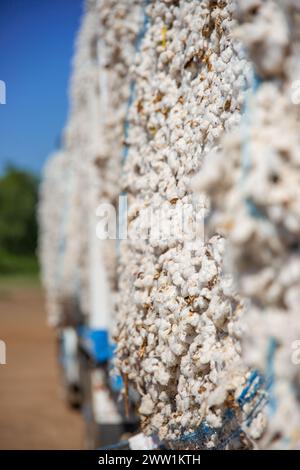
column 118, row 26
column 52, row 230
column 253, row 179
column 178, row 334
column 93, row 141
column 100, row 100
column 68, row 196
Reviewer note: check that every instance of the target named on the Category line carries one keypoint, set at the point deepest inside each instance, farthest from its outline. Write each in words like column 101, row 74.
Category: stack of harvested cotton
column 253, row 184
column 178, row 340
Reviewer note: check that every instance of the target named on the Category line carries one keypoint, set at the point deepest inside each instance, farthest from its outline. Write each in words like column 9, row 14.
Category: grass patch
column 17, row 271
column 13, row 264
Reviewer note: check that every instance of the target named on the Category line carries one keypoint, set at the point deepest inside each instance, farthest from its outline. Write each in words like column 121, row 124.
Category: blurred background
column 36, row 44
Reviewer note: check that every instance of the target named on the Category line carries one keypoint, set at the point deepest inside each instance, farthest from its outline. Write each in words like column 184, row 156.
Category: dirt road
column 32, row 412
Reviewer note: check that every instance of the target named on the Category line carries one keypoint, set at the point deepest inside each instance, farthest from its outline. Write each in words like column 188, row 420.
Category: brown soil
column 32, row 412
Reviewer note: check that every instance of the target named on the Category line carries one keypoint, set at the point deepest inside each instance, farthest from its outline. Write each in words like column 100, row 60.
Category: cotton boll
column 257, row 426
column 176, row 347
column 162, row 376
column 267, row 50
column 208, row 270
column 147, row 406
column 168, row 358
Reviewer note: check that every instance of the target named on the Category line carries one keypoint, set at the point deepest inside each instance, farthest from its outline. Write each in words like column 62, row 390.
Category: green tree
column 18, row 224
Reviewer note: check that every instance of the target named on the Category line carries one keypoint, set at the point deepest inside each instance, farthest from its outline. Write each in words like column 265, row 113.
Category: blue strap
column 95, row 343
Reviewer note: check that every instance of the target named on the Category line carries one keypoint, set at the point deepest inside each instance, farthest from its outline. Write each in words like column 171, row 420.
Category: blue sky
column 36, row 49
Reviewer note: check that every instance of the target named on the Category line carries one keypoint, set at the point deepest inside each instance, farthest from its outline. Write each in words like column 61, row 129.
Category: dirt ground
column 32, row 412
